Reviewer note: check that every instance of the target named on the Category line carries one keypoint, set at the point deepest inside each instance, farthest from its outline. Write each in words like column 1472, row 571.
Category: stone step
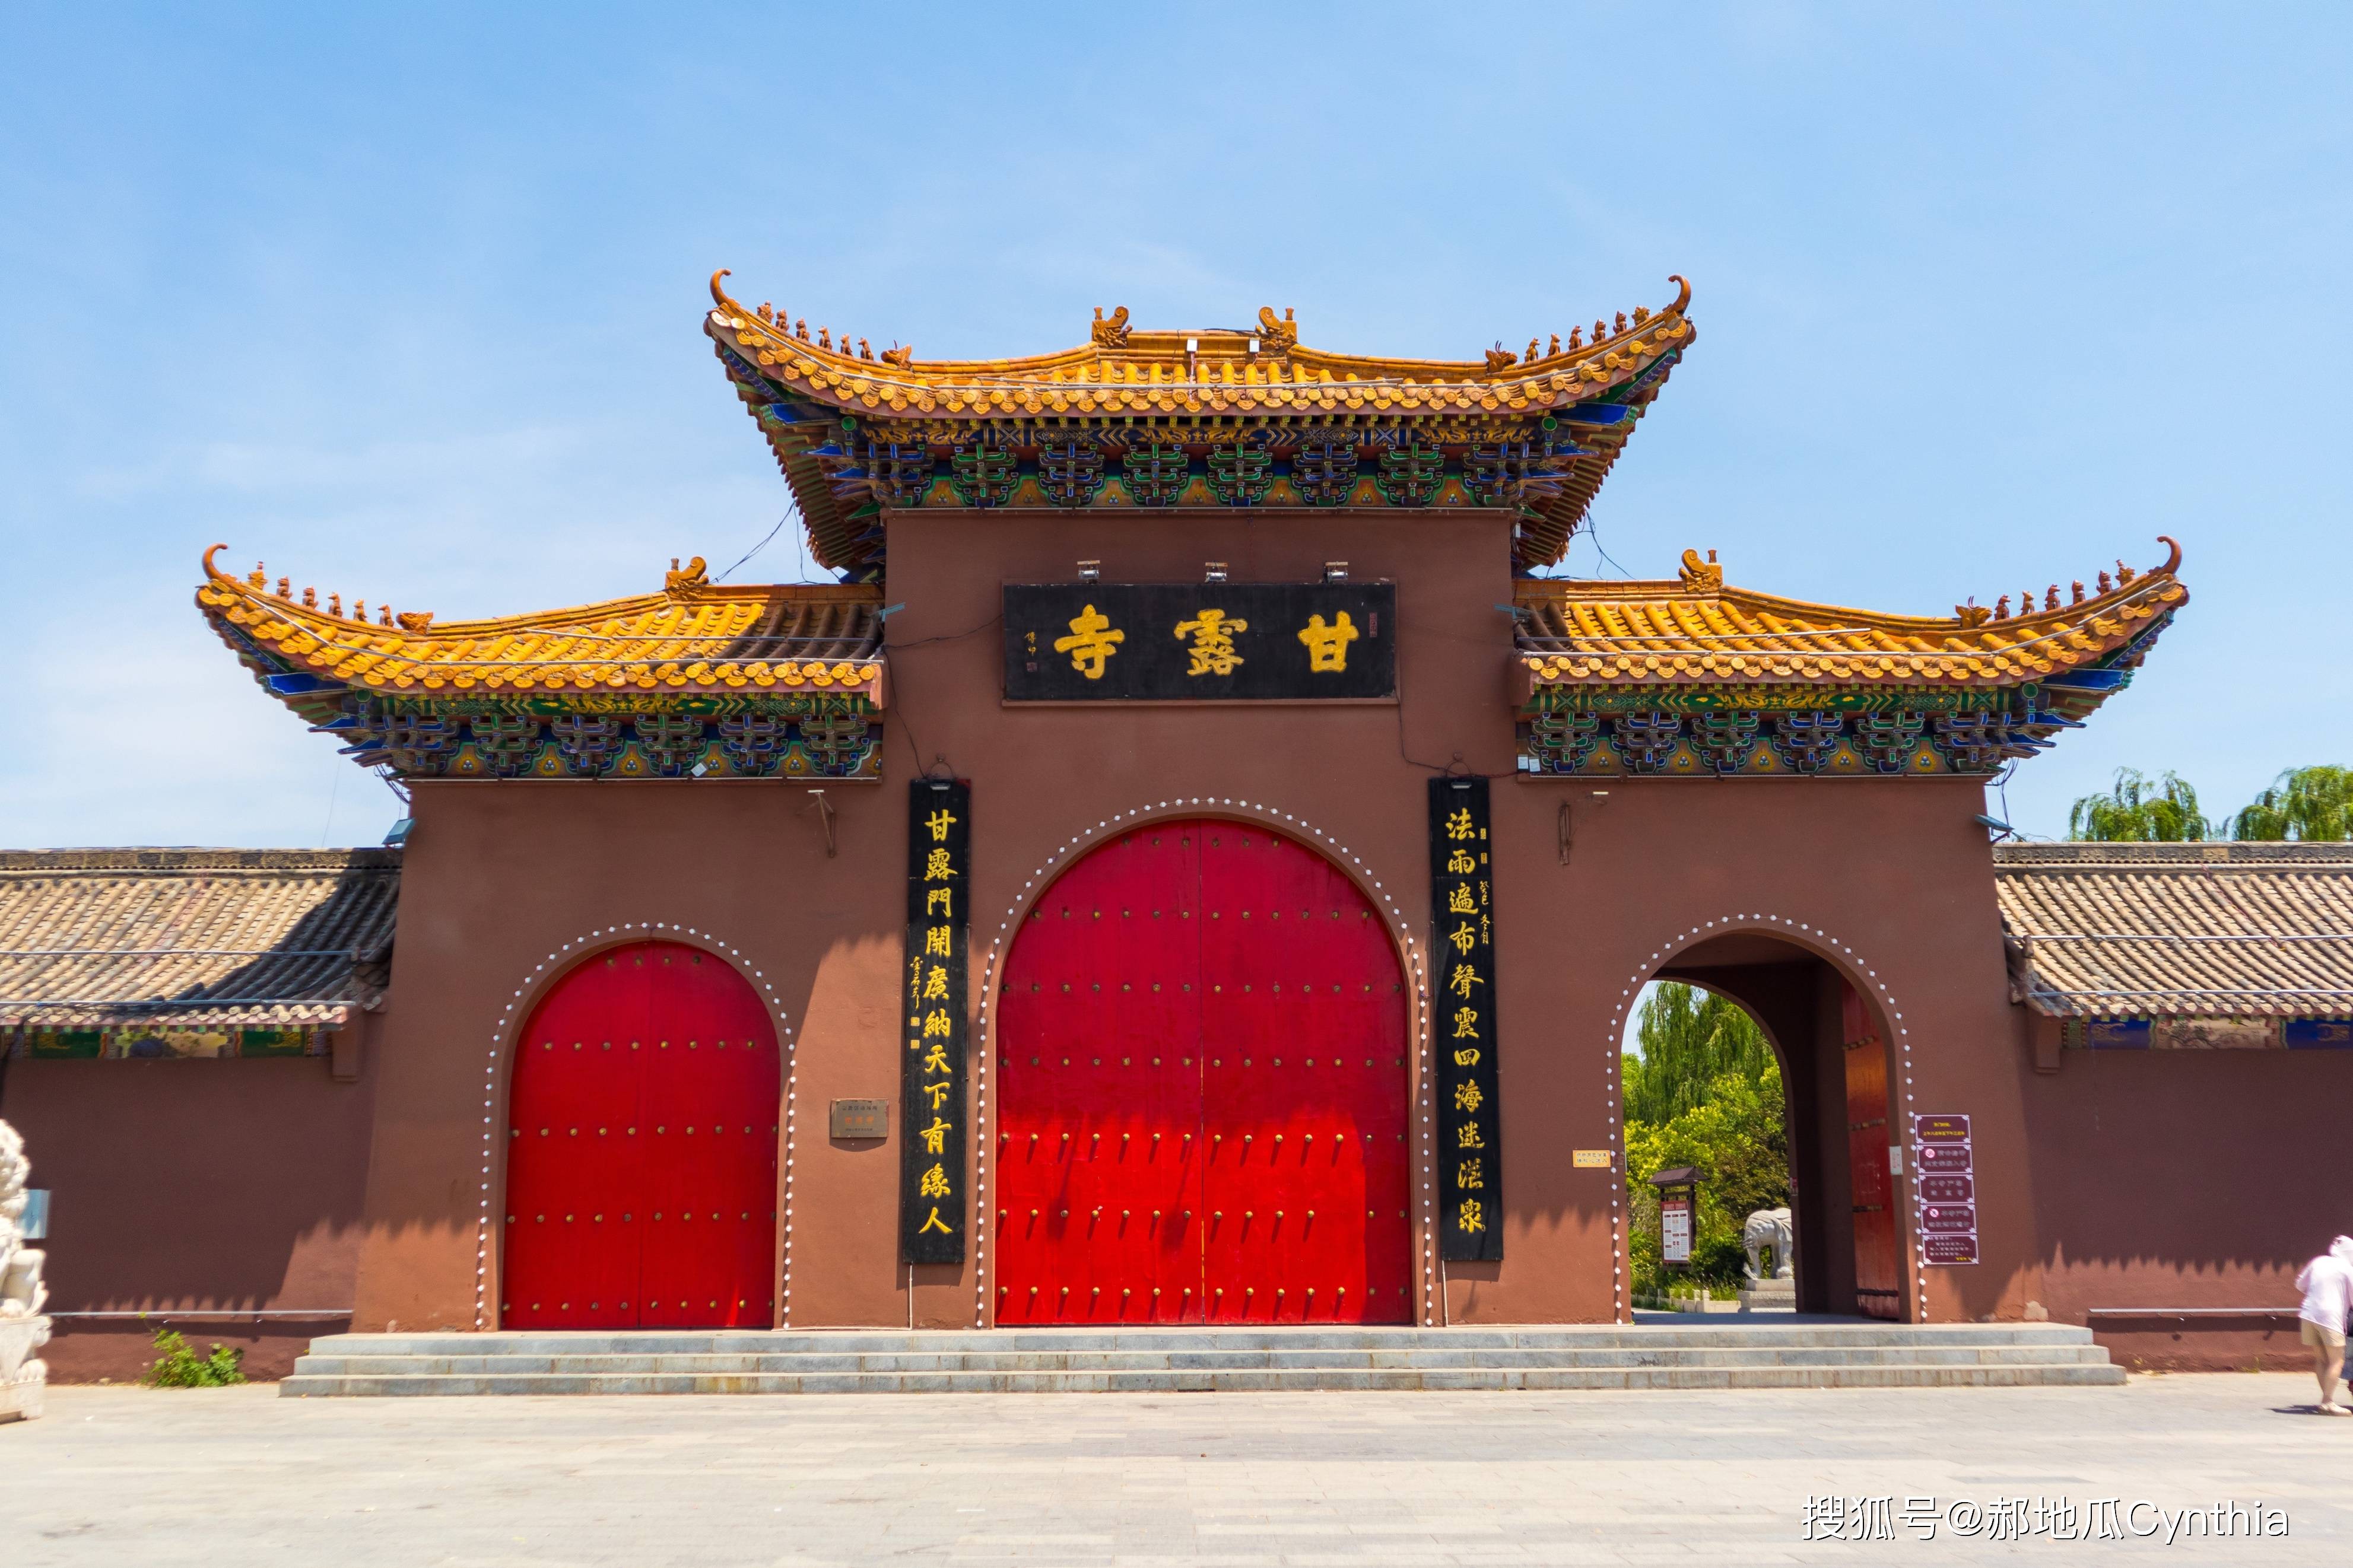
column 503, row 1363
column 1173, row 1381
column 1599, row 1336
column 1806, row 1354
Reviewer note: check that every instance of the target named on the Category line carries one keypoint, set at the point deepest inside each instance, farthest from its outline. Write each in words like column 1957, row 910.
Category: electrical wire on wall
column 905, row 728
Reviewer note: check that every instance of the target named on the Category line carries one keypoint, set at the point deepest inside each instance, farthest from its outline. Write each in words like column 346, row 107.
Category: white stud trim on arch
column 580, row 947
column 1076, row 846
column 1667, row 949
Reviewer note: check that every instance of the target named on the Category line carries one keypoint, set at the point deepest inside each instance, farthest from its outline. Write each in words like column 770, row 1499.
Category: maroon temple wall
column 222, row 1199
column 2179, row 1193
column 1888, row 879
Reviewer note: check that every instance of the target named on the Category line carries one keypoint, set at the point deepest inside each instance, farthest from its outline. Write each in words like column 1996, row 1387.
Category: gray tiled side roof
column 95, row 938
column 2122, row 931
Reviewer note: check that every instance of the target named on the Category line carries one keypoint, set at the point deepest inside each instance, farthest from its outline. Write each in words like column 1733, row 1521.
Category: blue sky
column 405, row 301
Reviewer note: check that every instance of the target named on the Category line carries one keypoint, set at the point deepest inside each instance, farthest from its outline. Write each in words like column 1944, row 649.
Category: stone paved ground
column 238, row 1476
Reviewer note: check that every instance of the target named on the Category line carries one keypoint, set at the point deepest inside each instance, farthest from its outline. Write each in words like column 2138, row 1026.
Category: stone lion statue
column 23, row 1329
column 1768, row 1227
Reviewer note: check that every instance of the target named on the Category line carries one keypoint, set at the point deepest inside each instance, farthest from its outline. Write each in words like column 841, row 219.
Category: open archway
column 641, row 1147
column 1840, row 1111
column 1203, row 1048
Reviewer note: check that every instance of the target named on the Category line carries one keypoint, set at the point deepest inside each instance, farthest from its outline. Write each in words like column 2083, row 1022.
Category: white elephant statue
column 1768, row 1227
column 23, row 1329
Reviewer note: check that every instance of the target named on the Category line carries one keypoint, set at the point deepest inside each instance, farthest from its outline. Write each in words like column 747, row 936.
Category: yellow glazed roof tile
column 694, row 635
column 1124, row 370
column 824, row 400
column 1695, row 631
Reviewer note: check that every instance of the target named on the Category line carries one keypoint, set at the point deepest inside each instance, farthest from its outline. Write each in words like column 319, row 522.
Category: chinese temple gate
column 1203, row 1046
column 1191, row 865
column 639, row 1193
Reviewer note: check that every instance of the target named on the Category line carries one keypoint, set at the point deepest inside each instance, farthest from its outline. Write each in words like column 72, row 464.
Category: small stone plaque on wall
column 860, row 1119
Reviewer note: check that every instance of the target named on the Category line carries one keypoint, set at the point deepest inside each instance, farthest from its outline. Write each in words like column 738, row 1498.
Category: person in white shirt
column 2327, row 1285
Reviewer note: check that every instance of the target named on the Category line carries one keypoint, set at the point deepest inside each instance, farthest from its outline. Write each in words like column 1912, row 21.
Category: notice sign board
column 1949, row 1248
column 931, row 1170
column 1945, row 1189
column 1199, row 642
column 1675, row 1228
column 1948, row 1189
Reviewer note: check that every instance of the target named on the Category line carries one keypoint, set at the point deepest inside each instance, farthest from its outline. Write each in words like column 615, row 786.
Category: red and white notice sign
column 1675, row 1228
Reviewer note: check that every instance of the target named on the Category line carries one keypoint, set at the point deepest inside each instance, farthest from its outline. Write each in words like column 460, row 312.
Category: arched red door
column 642, row 1148
column 1202, row 1045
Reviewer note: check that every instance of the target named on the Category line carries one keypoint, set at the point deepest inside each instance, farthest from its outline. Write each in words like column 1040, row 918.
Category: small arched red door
column 642, row 1148
column 1202, row 1045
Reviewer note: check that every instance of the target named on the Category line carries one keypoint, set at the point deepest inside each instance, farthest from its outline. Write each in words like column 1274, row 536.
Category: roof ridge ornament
column 1500, row 359
column 1111, row 333
column 1973, row 614
column 1282, row 336
column 256, row 584
column 1705, row 575
column 696, row 577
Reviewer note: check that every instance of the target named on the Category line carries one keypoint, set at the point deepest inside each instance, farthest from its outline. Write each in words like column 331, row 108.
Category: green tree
column 1737, row 1139
column 2136, row 810
column 1704, row 1090
column 1688, row 1039
column 2310, row 803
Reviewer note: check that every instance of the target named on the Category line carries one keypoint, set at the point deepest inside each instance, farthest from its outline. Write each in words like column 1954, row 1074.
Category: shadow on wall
column 2187, row 1178
column 197, row 1183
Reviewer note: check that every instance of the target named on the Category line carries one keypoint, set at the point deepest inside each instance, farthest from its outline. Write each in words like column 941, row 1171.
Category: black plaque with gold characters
column 1214, row 642
column 931, row 1170
column 1462, row 1022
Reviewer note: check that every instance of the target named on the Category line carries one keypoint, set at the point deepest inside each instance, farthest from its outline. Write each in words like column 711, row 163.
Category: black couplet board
column 933, row 1167
column 1462, row 1022
column 1220, row 642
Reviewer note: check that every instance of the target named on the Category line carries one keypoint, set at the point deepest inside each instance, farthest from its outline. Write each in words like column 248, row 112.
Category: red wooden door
column 642, row 1148
column 1878, row 1273
column 1202, row 1042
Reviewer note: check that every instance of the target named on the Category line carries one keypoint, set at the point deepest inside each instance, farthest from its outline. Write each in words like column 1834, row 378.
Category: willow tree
column 2309, row 804
column 2138, row 810
column 1688, row 1039
column 1702, row 1089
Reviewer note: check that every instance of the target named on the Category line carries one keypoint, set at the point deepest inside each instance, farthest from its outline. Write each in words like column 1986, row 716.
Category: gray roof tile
column 99, row 938
column 2122, row 930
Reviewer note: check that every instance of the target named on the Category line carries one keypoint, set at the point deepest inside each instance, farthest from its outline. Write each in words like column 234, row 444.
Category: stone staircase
column 1839, row 1354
